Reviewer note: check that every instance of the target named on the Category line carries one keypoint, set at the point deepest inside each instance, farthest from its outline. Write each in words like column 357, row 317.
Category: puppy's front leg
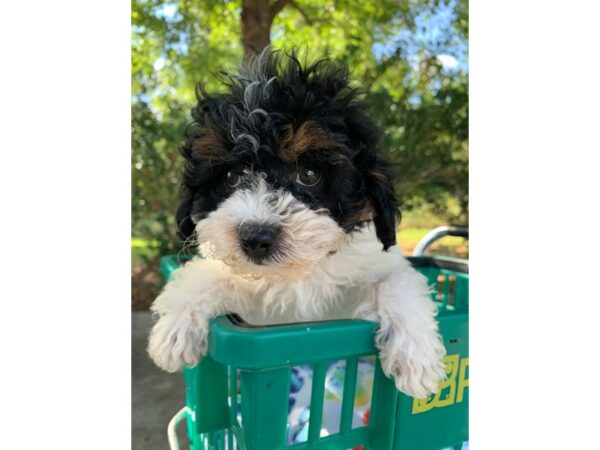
column 411, row 350
column 196, row 293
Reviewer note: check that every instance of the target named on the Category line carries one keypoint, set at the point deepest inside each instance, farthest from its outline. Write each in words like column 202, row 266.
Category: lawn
column 449, row 245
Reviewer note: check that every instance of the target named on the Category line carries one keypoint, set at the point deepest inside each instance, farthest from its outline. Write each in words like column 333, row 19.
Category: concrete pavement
column 155, row 395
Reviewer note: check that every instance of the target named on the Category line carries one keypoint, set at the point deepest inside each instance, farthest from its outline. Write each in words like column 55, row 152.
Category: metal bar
column 172, row 427
column 437, row 234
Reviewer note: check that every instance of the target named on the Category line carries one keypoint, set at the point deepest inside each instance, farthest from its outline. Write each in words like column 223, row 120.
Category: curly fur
column 247, row 124
column 245, row 154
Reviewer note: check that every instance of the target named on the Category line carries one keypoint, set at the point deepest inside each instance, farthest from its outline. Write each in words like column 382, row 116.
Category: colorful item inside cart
column 300, row 393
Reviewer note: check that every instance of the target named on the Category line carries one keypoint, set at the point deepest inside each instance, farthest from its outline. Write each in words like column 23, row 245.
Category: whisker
column 187, row 245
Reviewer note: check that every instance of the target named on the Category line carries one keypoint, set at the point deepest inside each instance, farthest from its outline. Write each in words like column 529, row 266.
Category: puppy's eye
column 307, row 177
column 233, row 178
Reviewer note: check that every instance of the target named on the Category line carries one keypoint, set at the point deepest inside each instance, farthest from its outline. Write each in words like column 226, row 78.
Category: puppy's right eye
column 307, row 177
column 233, row 178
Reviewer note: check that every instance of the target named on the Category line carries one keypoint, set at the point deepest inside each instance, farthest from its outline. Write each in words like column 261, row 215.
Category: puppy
column 292, row 209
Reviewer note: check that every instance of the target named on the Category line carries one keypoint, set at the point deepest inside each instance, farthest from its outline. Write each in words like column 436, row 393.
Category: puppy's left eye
column 233, row 178
column 307, row 177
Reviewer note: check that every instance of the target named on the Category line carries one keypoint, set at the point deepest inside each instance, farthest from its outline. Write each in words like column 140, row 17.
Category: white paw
column 415, row 363
column 177, row 340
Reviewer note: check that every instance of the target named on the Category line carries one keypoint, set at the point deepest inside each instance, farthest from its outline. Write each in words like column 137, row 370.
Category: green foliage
column 421, row 104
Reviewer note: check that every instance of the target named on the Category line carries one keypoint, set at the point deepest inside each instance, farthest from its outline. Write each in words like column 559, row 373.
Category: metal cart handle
column 172, row 428
column 436, row 234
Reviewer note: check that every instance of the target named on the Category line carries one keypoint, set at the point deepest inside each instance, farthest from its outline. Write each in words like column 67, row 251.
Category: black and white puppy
column 293, row 212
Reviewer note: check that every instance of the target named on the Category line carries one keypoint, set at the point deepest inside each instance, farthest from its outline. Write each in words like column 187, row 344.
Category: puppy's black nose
column 257, row 239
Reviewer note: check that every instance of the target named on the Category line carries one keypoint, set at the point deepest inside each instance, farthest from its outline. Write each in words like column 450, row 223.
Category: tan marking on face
column 210, row 147
column 366, row 214
column 309, row 136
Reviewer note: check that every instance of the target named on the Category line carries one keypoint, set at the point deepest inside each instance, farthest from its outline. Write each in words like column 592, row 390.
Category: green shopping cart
column 238, row 397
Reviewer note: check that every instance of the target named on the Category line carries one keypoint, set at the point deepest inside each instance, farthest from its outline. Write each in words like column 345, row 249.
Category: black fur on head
column 295, row 123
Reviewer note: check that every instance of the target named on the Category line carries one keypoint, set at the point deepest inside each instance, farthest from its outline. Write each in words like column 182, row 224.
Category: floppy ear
column 387, row 213
column 183, row 218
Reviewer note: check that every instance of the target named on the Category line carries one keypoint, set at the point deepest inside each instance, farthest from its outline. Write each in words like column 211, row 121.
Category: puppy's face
column 281, row 168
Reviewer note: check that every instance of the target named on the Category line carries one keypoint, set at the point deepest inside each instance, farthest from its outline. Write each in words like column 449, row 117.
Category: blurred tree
column 257, row 17
column 410, row 57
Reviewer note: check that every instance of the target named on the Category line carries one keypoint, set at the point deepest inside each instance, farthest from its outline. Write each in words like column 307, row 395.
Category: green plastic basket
column 262, row 358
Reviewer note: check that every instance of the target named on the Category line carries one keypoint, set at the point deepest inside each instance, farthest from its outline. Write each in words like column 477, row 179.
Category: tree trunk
column 257, row 17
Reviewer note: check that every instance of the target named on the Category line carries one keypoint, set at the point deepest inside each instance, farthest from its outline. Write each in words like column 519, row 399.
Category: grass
column 408, row 239
column 417, row 223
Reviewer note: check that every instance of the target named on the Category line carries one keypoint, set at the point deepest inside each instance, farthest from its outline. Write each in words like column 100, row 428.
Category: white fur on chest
column 333, row 290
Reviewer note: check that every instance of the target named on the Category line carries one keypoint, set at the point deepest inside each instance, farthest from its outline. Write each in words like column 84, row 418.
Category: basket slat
column 265, row 396
column 316, row 402
column 349, row 392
